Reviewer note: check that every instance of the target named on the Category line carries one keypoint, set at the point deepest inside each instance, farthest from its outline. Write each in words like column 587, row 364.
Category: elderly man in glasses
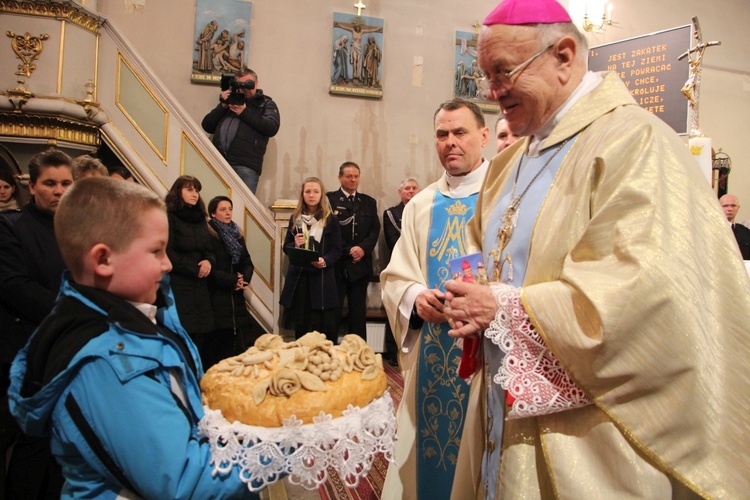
column 616, row 330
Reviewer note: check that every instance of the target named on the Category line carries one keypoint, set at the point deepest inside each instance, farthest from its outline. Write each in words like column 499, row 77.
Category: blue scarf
column 230, row 236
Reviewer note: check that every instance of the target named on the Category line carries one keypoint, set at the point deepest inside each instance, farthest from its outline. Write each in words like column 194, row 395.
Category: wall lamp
column 589, row 25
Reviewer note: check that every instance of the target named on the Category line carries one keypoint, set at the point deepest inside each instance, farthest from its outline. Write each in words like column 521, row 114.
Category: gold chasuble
column 636, row 285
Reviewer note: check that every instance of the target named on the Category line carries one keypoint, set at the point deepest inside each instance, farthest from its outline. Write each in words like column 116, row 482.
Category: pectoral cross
column 504, row 234
column 359, row 6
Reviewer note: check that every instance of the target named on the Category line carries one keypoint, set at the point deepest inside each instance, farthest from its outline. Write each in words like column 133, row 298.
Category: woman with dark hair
column 229, row 279
column 309, row 296
column 189, row 248
column 8, row 191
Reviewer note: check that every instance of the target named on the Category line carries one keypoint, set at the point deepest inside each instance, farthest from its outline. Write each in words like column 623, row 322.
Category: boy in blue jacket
column 110, row 375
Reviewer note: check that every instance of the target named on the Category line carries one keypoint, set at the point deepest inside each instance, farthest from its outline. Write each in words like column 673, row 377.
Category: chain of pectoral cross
column 510, row 220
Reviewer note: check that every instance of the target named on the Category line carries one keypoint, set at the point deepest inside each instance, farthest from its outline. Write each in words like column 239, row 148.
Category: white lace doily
column 303, row 451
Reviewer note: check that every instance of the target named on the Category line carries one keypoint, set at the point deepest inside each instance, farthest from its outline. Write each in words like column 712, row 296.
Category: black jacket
column 227, row 304
column 189, row 243
column 742, row 235
column 391, row 231
column 363, row 231
column 322, row 282
column 258, row 122
column 31, row 269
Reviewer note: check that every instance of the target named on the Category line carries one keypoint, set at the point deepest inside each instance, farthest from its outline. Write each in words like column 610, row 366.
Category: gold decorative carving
column 27, row 49
column 90, row 106
column 52, row 128
column 19, row 97
column 59, row 10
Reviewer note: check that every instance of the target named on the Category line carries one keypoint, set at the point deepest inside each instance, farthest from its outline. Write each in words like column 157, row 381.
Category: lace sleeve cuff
column 534, row 381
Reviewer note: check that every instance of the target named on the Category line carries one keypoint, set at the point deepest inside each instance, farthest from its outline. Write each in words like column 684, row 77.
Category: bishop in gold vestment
column 636, row 287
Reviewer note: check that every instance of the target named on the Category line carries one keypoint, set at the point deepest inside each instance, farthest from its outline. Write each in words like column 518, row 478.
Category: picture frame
column 468, row 78
column 221, row 39
column 357, row 56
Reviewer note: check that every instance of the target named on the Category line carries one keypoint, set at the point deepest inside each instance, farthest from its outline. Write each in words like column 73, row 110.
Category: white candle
column 700, row 148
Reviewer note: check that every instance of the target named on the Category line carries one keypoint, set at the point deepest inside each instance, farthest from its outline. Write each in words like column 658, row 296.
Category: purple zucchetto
column 528, row 12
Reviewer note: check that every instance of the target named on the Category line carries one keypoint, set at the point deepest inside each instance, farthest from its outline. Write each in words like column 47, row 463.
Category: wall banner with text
column 649, row 67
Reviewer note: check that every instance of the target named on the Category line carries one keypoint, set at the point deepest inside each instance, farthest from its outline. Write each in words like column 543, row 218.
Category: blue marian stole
column 441, row 395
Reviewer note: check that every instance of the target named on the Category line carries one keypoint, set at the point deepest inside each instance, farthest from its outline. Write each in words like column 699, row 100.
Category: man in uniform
column 360, row 229
column 392, row 232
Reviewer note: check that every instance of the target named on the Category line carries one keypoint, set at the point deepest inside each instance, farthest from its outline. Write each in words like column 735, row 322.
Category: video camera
column 236, row 94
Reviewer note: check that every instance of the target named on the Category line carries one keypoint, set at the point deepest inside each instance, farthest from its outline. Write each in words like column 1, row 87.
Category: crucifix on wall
column 357, row 55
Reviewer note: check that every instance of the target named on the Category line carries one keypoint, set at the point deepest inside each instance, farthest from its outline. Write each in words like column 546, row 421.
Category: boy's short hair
column 49, row 158
column 100, row 210
column 84, row 164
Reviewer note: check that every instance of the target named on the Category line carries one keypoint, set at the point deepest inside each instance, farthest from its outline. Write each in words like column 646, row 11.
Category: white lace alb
column 534, row 379
column 304, row 452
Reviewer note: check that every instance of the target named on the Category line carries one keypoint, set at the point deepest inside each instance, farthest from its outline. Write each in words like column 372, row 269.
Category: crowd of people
column 48, row 271
column 603, row 356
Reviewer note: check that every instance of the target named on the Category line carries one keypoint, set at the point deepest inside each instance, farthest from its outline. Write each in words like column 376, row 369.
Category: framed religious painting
column 357, row 56
column 222, row 32
column 468, row 79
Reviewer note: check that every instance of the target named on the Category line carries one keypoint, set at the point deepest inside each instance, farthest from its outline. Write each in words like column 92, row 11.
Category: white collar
column 589, row 82
column 464, row 185
column 148, row 309
column 348, row 194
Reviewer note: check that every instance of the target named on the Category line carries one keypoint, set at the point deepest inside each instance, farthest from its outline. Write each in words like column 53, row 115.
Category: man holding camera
column 242, row 123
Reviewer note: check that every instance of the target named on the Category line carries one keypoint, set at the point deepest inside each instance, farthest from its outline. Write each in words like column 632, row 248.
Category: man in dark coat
column 731, row 205
column 31, row 266
column 31, row 269
column 360, row 229
column 392, row 232
column 241, row 131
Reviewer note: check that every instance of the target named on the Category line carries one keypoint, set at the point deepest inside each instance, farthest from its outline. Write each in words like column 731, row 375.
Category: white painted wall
column 290, row 48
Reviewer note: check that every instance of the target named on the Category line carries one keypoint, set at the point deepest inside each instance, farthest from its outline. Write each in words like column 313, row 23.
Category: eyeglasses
column 505, row 77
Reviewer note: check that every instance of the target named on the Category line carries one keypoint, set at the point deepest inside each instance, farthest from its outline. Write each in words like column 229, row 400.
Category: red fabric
column 469, row 357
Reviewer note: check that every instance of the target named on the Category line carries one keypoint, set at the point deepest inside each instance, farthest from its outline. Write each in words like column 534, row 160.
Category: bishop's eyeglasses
column 503, row 77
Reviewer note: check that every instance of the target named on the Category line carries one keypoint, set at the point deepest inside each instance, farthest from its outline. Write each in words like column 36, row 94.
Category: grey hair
column 408, row 179
column 551, row 33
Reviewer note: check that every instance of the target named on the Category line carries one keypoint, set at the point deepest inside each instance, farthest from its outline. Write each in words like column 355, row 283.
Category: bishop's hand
column 469, row 307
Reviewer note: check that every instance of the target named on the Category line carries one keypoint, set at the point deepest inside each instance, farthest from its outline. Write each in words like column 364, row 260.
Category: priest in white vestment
column 616, row 330
column 431, row 413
